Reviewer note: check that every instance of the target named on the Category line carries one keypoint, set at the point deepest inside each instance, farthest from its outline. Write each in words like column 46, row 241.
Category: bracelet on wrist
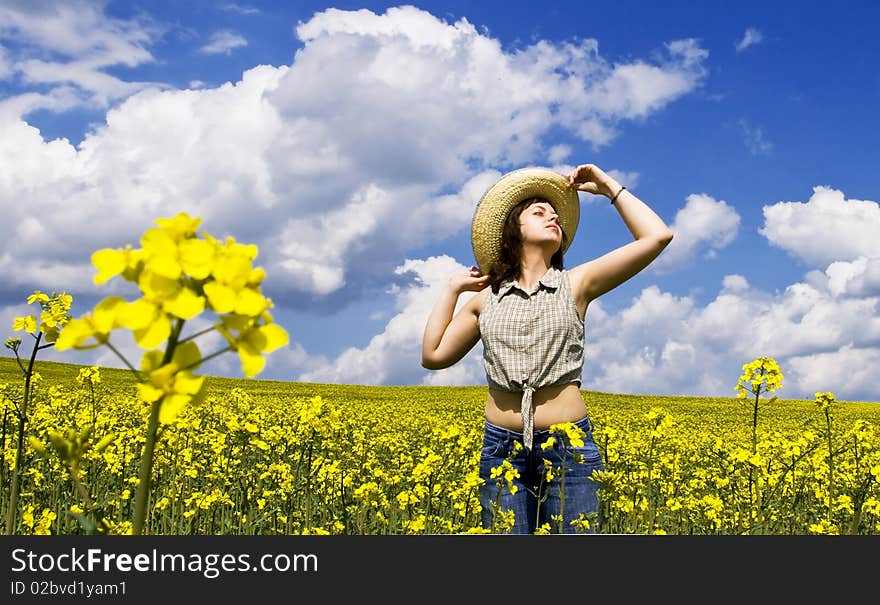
column 614, row 199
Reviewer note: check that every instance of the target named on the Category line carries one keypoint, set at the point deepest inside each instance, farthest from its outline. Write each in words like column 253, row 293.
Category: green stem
column 19, row 456
column 143, row 487
column 755, row 421
column 20, row 365
column 146, row 468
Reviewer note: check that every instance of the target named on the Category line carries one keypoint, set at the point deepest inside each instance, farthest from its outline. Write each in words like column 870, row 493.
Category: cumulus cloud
column 849, row 371
column 826, row 228
column 703, row 227
column 751, row 37
column 634, row 90
column 379, row 117
column 223, row 42
column 860, row 277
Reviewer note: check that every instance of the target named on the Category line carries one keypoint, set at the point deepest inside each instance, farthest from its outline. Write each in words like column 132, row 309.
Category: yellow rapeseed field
column 272, row 457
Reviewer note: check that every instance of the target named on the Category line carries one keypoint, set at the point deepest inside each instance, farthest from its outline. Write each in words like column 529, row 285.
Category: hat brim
column 512, row 188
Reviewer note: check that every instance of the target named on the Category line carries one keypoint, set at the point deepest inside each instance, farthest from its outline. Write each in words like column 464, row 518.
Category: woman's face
column 539, row 222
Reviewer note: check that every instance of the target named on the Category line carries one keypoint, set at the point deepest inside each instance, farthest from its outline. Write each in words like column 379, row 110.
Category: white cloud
column 634, row 90
column 849, row 372
column 860, row 277
column 751, row 37
column 825, row 229
column 734, row 283
column 223, row 42
column 704, row 226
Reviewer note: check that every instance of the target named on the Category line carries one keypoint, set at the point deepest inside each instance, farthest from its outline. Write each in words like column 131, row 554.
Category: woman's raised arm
column 594, row 278
column 445, row 342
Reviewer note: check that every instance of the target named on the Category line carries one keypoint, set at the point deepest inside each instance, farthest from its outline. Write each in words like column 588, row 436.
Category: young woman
column 529, row 313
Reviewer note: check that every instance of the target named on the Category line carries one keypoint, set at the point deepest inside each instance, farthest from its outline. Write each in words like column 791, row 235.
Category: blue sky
column 351, row 142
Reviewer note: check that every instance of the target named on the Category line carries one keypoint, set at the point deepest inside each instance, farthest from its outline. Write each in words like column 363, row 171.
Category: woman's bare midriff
column 553, row 404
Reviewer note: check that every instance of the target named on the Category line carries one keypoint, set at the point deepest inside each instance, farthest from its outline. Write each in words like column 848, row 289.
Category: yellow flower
column 235, row 287
column 151, row 327
column 148, row 317
column 37, row 296
column 825, row 400
column 53, row 317
column 572, row 435
column 543, row 529
column 46, row 518
column 112, row 262
column 161, row 254
column 172, row 382
column 763, row 371
column 253, row 340
column 581, row 524
column 27, row 323
column 197, row 257
column 27, row 517
column 180, row 227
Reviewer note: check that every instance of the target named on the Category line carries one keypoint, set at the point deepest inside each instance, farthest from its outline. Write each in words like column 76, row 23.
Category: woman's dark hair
column 508, row 265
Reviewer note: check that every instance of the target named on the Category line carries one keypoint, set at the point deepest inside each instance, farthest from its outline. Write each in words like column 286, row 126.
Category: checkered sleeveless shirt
column 531, row 340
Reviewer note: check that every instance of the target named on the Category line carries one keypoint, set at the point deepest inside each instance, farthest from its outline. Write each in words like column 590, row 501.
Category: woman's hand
column 592, row 179
column 472, row 281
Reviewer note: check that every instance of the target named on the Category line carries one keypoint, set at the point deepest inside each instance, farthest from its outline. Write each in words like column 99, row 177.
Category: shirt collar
column 550, row 280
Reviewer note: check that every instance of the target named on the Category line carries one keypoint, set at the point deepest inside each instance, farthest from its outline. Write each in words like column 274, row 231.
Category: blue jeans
column 536, row 500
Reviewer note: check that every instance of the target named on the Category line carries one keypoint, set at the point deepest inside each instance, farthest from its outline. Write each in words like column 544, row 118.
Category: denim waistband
column 584, row 424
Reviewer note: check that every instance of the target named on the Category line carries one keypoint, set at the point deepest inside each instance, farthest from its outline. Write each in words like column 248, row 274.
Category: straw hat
column 507, row 192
